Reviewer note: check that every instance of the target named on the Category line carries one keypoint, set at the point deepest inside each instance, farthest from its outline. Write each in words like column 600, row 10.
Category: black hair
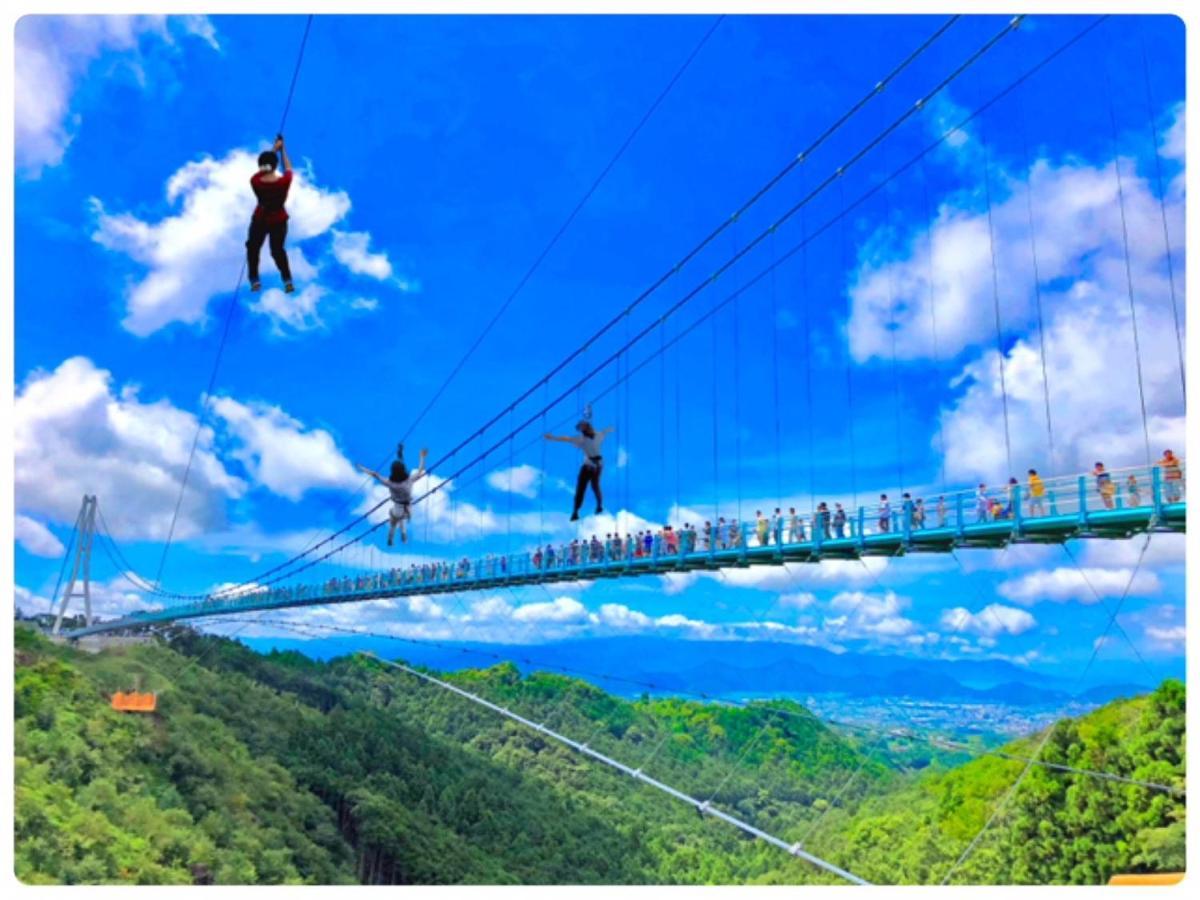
column 399, row 470
column 586, row 428
column 268, row 158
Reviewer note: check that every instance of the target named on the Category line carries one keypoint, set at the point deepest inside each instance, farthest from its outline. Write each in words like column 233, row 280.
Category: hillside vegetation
column 278, row 769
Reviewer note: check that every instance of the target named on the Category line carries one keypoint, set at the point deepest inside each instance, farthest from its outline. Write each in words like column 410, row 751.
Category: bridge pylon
column 81, row 568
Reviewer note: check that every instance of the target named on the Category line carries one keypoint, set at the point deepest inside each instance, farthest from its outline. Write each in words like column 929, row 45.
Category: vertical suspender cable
column 808, row 345
column 892, row 329
column 849, row 355
column 987, row 191
column 1162, row 205
column 737, row 390
column 775, row 377
column 229, row 313
column 1137, row 347
column 716, row 411
column 1037, row 280
column 933, row 300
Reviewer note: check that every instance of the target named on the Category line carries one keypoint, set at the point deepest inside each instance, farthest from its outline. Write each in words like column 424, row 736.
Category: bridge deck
column 520, row 570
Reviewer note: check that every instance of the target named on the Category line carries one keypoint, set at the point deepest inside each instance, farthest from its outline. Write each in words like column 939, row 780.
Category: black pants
column 588, row 475
column 259, row 232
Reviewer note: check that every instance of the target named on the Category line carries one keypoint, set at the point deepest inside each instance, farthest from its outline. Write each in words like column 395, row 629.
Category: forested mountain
column 280, row 769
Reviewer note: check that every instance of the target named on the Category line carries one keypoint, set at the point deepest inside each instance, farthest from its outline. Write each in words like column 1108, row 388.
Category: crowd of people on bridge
column 775, row 529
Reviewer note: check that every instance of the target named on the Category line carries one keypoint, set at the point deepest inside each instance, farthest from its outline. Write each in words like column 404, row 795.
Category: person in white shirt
column 588, row 441
column 400, row 485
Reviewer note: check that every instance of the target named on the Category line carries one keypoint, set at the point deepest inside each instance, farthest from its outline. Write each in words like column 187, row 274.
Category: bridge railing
column 1078, row 501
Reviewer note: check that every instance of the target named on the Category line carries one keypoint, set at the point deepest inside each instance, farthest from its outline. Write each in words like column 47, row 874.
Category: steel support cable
column 893, row 330
column 1000, row 354
column 1137, row 346
column 1013, row 85
column 849, row 361
column 933, row 300
column 737, row 389
column 225, row 328
column 775, row 379
column 562, row 229
column 1011, row 792
column 971, row 60
column 62, row 570
column 1162, row 205
column 805, row 298
column 1037, row 283
column 637, row 774
column 805, row 713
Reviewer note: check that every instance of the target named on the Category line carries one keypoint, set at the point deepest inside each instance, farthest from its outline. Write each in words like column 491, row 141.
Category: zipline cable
column 971, row 60
column 562, row 229
column 1013, row 85
column 805, row 714
column 703, row 808
column 225, row 328
column 1011, row 792
column 1162, row 205
column 1000, row 354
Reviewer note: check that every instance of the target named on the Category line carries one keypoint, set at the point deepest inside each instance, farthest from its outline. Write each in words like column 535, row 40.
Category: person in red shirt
column 270, row 218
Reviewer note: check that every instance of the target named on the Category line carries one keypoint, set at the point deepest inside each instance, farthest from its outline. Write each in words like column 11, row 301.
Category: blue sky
column 437, row 157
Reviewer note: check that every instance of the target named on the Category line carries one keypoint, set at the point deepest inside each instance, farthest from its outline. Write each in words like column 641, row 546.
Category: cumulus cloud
column 110, row 600
column 779, row 578
column 868, row 616
column 994, row 619
column 1172, row 637
column 53, row 53
column 561, row 609
column 279, row 453
column 74, row 434
column 1064, row 584
column 190, row 256
column 1084, row 291
column 524, row 480
column 350, row 249
column 36, row 538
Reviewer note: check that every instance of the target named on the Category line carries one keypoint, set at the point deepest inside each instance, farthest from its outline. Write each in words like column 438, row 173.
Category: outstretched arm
column 372, row 473
column 609, row 430
column 421, row 473
column 554, row 437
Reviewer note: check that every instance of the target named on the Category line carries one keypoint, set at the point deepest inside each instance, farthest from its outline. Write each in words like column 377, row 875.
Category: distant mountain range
column 625, row 665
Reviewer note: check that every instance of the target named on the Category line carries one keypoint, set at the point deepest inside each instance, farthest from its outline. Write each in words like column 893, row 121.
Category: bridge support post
column 862, row 521
column 1083, row 516
column 960, row 523
column 81, row 569
column 1156, row 492
column 1018, row 514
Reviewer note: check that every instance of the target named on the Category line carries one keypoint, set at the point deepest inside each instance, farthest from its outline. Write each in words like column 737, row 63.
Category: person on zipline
column 400, row 484
column 588, row 441
column 270, row 218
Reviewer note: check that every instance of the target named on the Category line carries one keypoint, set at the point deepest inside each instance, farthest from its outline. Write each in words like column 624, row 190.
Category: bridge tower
column 81, row 569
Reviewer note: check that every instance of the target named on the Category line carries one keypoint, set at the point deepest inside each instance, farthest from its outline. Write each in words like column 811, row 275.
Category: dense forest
column 274, row 769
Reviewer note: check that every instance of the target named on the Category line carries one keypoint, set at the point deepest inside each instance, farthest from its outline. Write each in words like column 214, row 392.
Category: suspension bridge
column 1102, row 505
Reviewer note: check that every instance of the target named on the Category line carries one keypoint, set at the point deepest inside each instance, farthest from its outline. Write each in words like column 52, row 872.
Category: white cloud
column 350, row 249
column 280, row 454
column 524, row 480
column 994, row 619
column 73, row 435
column 1064, row 584
column 619, row 616
column 110, row 600
column 779, row 578
column 312, row 309
column 36, row 538
column 191, row 256
column 561, row 609
column 869, row 616
column 1084, row 290
column 53, row 53
column 800, row 600
column 1173, row 637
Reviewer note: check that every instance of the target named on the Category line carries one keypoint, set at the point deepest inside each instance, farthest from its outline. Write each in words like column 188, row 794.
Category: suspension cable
column 1162, row 205
column 562, row 229
column 1137, row 347
column 225, row 328
column 1013, row 85
column 1000, row 354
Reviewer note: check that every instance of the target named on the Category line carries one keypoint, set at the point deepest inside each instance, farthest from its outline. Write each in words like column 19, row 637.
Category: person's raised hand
column 279, row 142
